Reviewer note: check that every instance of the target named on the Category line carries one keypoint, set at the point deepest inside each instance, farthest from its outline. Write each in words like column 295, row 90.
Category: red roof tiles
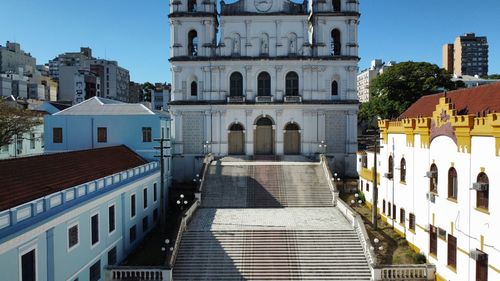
column 25, row 179
column 483, row 99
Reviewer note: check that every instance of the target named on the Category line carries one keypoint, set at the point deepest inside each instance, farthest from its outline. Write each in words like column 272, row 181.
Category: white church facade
column 264, row 78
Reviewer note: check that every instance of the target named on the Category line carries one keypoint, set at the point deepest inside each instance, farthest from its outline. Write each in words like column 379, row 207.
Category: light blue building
column 27, row 144
column 99, row 122
column 75, row 212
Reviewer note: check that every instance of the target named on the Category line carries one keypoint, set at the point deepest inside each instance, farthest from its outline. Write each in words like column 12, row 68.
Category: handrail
column 204, row 170
column 359, row 226
column 329, row 177
column 186, row 217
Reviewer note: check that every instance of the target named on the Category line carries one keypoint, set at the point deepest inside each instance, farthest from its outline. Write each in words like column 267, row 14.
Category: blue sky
column 136, row 32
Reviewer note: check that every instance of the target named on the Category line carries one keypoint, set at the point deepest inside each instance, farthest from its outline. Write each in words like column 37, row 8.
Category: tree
column 15, row 122
column 493, row 76
column 400, row 86
column 148, row 88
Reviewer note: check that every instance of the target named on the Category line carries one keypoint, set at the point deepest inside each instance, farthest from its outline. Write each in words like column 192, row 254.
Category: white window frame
column 114, row 230
column 70, row 225
column 130, row 202
column 92, row 214
column 30, row 246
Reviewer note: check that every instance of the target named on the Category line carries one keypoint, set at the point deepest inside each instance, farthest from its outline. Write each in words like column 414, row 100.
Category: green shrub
column 361, row 197
column 420, row 258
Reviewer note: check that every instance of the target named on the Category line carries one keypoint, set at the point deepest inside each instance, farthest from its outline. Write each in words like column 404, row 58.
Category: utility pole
column 375, row 188
column 162, row 157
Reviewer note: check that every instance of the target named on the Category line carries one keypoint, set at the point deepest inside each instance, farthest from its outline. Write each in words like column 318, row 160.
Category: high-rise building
column 114, row 80
column 448, row 57
column 68, row 59
column 366, row 76
column 281, row 80
column 469, row 53
column 15, row 60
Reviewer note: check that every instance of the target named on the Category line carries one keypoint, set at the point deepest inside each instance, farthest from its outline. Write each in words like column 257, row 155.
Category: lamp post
column 207, row 147
column 322, row 147
column 336, row 181
column 166, row 243
column 357, row 200
column 375, row 248
column 181, row 202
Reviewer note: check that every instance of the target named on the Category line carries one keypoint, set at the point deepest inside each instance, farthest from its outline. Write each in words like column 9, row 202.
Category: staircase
column 266, row 186
column 269, row 221
column 271, row 255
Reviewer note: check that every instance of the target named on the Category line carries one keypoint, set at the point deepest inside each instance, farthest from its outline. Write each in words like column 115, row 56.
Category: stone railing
column 204, row 169
column 186, row 217
column 292, row 99
column 413, row 272
column 357, row 223
column 126, row 273
column 236, row 99
column 329, row 177
column 264, row 99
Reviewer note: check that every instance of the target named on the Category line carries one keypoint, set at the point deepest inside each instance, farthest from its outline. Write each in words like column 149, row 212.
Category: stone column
column 279, row 132
column 249, row 132
column 216, row 132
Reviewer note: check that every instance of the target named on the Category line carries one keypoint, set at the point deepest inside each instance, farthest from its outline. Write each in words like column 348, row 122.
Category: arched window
column 452, row 183
column 236, row 85
column 335, row 88
column 194, row 88
column 403, row 170
column 336, row 5
column 193, row 43
column 483, row 192
column 192, row 6
column 264, row 121
column 433, row 179
column 264, row 84
column 390, row 167
column 236, row 127
column 292, row 127
column 292, row 84
column 335, row 43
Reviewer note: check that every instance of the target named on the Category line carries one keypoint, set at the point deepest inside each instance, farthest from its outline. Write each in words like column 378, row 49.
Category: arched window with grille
column 403, row 170
column 482, row 199
column 433, row 179
column 292, row 84
column 193, row 43
column 264, row 84
column 335, row 43
column 335, row 88
column 390, row 167
column 452, row 184
column 236, row 85
column 194, row 88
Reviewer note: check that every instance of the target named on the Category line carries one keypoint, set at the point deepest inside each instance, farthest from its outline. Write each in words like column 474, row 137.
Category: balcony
column 264, row 99
column 236, row 99
column 292, row 99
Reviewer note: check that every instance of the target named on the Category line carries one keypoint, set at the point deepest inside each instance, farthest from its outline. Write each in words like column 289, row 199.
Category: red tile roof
column 25, row 179
column 483, row 99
